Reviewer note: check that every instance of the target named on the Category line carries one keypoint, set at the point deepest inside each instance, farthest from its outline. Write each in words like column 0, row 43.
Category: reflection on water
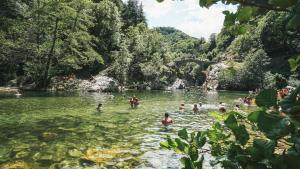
column 64, row 130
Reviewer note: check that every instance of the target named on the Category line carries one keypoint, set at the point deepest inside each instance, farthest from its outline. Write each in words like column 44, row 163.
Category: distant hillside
column 180, row 42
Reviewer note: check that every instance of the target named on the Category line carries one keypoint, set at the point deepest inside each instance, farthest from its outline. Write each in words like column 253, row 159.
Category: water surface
column 64, row 130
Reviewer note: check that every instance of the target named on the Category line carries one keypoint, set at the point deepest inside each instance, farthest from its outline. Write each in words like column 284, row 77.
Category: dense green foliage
column 40, row 40
column 234, row 144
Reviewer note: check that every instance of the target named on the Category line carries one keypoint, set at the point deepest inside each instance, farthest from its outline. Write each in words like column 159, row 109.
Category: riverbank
column 9, row 89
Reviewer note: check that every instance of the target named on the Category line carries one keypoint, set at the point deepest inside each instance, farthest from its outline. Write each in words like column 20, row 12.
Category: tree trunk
column 50, row 55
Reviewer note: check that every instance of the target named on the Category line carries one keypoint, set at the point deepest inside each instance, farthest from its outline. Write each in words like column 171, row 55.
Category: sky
column 186, row 16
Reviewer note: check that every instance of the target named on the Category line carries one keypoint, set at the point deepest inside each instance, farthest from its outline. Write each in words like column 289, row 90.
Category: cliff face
column 211, row 82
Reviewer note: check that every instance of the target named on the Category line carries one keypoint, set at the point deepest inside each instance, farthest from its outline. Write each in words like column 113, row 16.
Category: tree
column 121, row 62
column 107, row 27
column 133, row 14
column 149, row 55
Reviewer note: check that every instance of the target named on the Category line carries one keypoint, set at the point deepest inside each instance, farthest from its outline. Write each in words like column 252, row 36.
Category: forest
column 41, row 40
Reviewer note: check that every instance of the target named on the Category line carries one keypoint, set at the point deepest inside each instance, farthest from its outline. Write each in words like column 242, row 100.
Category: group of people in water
column 196, row 108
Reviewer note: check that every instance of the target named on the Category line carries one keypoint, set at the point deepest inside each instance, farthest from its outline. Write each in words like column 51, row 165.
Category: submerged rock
column 17, row 165
column 22, row 154
column 74, row 153
column 160, row 159
column 49, row 136
column 101, row 155
column 4, row 154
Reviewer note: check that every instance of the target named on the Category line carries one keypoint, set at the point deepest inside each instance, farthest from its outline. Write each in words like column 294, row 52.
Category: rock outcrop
column 178, row 84
column 212, row 82
column 99, row 83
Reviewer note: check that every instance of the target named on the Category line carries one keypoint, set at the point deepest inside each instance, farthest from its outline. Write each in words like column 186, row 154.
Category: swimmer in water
column 167, row 120
column 196, row 109
column 99, row 108
column 181, row 107
column 222, row 108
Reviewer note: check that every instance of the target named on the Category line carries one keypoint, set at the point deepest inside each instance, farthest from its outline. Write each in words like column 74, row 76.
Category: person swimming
column 99, row 108
column 196, row 109
column 181, row 107
column 200, row 104
column 167, row 120
column 222, row 108
column 134, row 102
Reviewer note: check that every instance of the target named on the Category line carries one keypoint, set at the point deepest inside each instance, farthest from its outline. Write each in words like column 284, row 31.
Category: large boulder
column 178, row 84
column 212, row 82
column 100, row 83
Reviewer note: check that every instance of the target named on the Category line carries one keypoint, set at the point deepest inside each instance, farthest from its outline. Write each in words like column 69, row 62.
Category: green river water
column 64, row 130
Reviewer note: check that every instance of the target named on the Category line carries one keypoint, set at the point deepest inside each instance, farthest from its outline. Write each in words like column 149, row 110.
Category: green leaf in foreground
column 267, row 98
column 231, row 122
column 265, row 147
column 239, row 131
column 294, row 63
column 294, row 22
column 183, row 134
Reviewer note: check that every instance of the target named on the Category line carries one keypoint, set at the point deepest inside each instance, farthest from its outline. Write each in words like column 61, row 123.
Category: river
column 63, row 130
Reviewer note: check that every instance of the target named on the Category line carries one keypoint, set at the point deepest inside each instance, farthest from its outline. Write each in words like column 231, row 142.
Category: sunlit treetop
column 248, row 9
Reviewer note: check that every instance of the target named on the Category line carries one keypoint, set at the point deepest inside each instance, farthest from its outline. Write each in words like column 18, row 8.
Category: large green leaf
column 294, row 22
column 269, row 124
column 253, row 116
column 187, row 163
column 193, row 153
column 165, row 145
column 182, row 146
column 233, row 151
column 265, row 147
column 241, row 134
column 231, row 122
column 239, row 131
column 183, row 134
column 199, row 163
column 294, row 63
column 200, row 139
column 171, row 143
column 267, row 98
